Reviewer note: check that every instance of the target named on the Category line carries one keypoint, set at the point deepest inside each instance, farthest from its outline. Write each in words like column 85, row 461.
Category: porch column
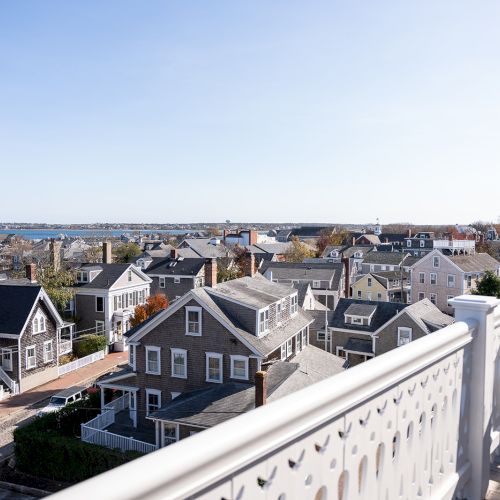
column 478, row 312
column 157, row 433
column 162, row 424
column 102, row 398
column 177, row 433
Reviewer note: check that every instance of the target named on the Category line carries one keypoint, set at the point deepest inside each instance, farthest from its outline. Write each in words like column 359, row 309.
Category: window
column 408, row 243
column 30, row 357
column 435, row 261
column 469, row 281
column 372, row 268
column 298, row 342
column 451, row 281
column 264, row 320
column 83, row 277
column 359, row 294
column 316, row 284
column 99, row 326
column 421, row 295
column 294, row 304
column 432, row 298
column 39, row 323
column 153, row 360
column 177, row 279
column 129, row 275
column 213, row 367
column 379, row 296
column 433, row 278
column 193, row 321
column 320, row 336
column 421, row 278
column 283, row 352
column 179, row 363
column 131, row 356
column 404, row 335
column 239, row 367
column 383, row 268
column 153, row 400
column 356, row 320
column 289, row 348
column 48, row 355
column 117, row 302
column 162, row 281
column 422, row 243
column 279, row 311
column 99, row 304
column 369, row 282
column 305, row 340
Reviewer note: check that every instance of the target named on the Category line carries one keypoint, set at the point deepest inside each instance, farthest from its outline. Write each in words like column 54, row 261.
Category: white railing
column 80, row 363
column 65, row 346
column 11, row 384
column 115, row 441
column 117, row 404
column 413, row 423
column 466, row 244
column 100, row 422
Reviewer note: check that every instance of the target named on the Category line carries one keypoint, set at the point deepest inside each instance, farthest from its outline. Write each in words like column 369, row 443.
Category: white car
column 63, row 398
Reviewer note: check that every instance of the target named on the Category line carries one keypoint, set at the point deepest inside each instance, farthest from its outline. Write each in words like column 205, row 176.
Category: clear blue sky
column 320, row 111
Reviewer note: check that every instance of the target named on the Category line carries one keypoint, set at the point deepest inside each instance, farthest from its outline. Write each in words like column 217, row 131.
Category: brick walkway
column 81, row 376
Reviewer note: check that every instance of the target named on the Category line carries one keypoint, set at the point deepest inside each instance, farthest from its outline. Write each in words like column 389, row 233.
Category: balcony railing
column 417, row 422
column 466, row 244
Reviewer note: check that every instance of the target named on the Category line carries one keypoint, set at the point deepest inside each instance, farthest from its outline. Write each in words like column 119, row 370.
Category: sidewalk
column 81, row 376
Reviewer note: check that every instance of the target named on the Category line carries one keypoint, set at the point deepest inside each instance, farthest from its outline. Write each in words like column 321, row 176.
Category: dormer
column 358, row 254
column 334, row 253
column 359, row 314
column 87, row 275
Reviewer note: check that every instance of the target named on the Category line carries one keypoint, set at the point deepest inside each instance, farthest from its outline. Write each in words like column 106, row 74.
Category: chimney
column 347, row 289
column 31, row 272
column 249, row 265
column 252, row 237
column 107, row 257
column 174, row 253
column 210, row 272
column 55, row 254
column 353, row 240
column 386, row 239
column 260, row 388
column 408, row 233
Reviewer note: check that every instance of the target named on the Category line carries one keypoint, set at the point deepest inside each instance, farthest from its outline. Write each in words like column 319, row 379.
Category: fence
column 65, row 346
column 114, row 441
column 79, row 363
column 118, row 404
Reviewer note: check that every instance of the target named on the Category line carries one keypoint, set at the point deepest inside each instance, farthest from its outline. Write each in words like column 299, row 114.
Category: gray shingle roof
column 359, row 345
column 364, row 310
column 478, row 262
column 428, row 316
column 205, row 249
column 173, row 267
column 106, row 278
column 388, row 258
column 16, row 302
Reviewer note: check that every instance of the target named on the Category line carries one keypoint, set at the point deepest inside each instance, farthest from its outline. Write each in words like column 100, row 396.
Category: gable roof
column 387, row 258
column 109, row 274
column 204, row 248
column 428, row 316
column 175, row 267
column 372, row 238
column 16, row 304
column 478, row 262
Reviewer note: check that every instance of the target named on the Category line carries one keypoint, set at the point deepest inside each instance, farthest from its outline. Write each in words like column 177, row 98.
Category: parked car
column 63, row 398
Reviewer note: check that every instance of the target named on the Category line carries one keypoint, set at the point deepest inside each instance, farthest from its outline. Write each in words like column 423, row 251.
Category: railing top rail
column 271, row 426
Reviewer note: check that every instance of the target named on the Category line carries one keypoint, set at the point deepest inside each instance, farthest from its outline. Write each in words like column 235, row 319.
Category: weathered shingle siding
column 171, row 334
column 85, row 312
column 388, row 337
column 244, row 316
column 171, row 289
column 339, row 339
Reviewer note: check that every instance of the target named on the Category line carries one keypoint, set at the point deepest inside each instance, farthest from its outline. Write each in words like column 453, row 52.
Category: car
column 63, row 398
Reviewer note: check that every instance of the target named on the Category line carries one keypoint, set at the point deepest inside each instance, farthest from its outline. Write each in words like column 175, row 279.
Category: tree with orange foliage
column 142, row 312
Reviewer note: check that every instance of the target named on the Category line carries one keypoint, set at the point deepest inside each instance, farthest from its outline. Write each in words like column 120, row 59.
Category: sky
column 191, row 111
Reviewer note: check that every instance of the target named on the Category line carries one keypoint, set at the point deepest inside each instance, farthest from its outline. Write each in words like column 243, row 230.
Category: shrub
column 88, row 344
column 66, row 358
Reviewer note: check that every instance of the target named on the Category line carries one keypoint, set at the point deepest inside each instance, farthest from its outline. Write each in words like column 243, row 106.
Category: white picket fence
column 65, row 346
column 80, row 363
column 114, row 441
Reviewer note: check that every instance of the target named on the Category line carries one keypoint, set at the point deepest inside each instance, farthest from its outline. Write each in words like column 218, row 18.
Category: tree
column 126, row 252
column 58, row 285
column 488, row 284
column 154, row 303
column 330, row 238
column 227, row 269
column 93, row 254
column 297, row 251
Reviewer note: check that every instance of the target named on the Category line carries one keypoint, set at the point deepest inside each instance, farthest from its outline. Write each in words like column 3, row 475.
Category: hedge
column 48, row 448
column 88, row 344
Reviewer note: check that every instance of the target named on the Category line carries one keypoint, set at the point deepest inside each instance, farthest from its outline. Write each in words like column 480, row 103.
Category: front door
column 7, row 360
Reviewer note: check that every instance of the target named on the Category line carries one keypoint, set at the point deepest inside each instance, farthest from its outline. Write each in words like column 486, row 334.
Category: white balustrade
column 414, row 423
column 118, row 404
column 11, row 384
column 80, row 363
column 114, row 441
column 65, row 346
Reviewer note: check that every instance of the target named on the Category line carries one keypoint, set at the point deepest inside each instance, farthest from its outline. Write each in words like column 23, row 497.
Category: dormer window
column 334, row 253
column 408, row 243
column 294, row 304
column 83, row 277
column 359, row 314
column 39, row 324
column 264, row 321
column 316, row 284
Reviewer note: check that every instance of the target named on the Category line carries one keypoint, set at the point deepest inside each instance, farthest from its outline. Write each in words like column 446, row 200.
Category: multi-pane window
column 153, row 400
column 289, row 348
column 435, row 261
column 279, row 311
column 304, row 338
column 421, row 278
column 193, row 321
column 30, row 357
column 451, row 280
column 99, row 304
column 404, row 335
column 117, row 302
column 433, row 277
column 294, row 304
column 369, row 282
column 153, row 360
column 264, row 320
column 213, row 367
column 359, row 294
column 298, row 342
column 469, row 281
column 421, row 295
column 432, row 298
column 239, row 367
column 179, row 363
column 316, row 284
column 39, row 323
column 129, row 275
column 283, row 352
column 162, row 281
column 48, row 355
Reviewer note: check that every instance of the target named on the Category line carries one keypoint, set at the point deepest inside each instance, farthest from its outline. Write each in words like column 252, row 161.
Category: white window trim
column 161, row 281
column 156, row 392
column 294, row 304
column 431, row 275
column 7, row 349
column 316, row 284
column 289, row 348
column 27, row 349
column 45, row 360
column 132, row 354
column 218, row 356
column 239, row 358
column 435, row 258
column 406, row 329
column 177, row 279
column 99, row 323
column 448, row 281
column 283, row 352
column 265, row 323
column 174, row 351
column 420, row 281
column 39, row 315
column 433, row 296
column 151, row 348
column 199, row 311
column 103, row 307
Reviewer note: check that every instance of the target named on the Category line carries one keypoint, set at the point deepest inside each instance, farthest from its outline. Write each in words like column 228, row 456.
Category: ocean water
column 40, row 234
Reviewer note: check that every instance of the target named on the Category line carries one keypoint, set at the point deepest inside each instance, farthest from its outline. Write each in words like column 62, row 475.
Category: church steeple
column 378, row 228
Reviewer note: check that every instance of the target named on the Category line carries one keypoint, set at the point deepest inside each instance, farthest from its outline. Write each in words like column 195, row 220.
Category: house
column 32, row 335
column 425, row 242
column 439, row 277
column 174, row 276
column 387, row 286
column 245, row 237
column 210, row 337
column 360, row 330
column 207, row 248
column 376, row 262
column 106, row 295
column 326, row 279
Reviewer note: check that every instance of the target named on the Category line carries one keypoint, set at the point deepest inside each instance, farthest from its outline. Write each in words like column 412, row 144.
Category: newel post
column 478, row 311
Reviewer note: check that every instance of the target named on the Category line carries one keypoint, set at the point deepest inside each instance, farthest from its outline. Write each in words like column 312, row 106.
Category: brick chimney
column 252, row 237
column 31, row 272
column 107, row 256
column 353, row 240
column 211, row 272
column 249, row 268
column 408, row 233
column 55, row 254
column 174, row 253
column 260, row 388
column 347, row 289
